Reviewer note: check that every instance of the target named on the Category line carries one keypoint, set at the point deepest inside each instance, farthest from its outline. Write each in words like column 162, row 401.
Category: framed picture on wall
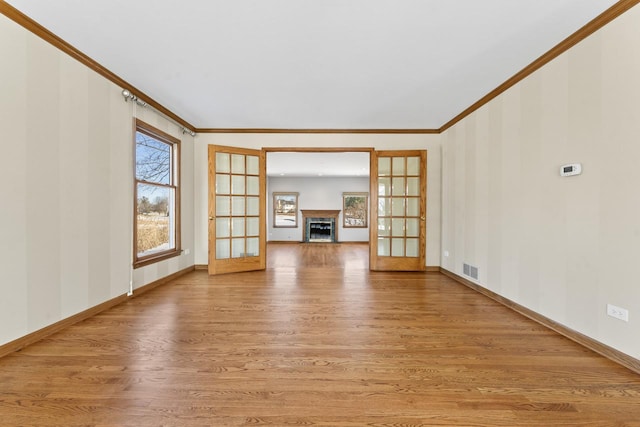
column 355, row 210
column 285, row 210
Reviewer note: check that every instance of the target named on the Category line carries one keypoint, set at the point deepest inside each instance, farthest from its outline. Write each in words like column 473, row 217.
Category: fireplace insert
column 320, row 230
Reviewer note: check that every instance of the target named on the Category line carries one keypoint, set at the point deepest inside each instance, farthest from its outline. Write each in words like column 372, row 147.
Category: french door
column 237, row 224
column 398, row 210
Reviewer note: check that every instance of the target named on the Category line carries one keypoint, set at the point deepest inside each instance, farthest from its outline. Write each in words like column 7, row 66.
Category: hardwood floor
column 315, row 340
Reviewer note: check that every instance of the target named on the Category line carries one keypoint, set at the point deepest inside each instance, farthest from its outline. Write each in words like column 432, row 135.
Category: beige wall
column 564, row 247
column 66, row 173
column 428, row 142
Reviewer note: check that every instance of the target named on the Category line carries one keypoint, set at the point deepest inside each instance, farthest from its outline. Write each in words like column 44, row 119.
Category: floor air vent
column 470, row 270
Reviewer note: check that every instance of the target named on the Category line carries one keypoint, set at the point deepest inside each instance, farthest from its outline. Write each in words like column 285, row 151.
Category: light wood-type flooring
column 315, row 340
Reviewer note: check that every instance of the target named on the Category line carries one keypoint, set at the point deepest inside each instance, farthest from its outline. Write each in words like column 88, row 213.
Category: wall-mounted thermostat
column 571, row 169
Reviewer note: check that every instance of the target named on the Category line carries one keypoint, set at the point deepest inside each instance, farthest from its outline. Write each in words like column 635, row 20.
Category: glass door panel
column 237, row 205
column 222, row 184
column 384, row 248
column 237, row 231
column 413, row 166
column 253, row 245
column 223, row 229
column 253, row 206
column 223, row 164
column 253, row 165
column 413, row 186
column 398, row 183
column 413, row 249
column 237, row 184
column 413, row 227
column 237, row 164
column 253, row 227
column 253, row 185
column 223, row 206
column 384, row 166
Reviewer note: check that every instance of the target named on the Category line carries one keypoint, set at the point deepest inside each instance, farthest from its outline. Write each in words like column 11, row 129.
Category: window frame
column 278, row 195
column 174, row 183
column 345, row 218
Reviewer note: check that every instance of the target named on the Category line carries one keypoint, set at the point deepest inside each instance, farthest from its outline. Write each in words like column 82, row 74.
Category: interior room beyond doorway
column 319, row 179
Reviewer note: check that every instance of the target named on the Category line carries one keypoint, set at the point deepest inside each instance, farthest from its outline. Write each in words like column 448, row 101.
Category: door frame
column 371, row 151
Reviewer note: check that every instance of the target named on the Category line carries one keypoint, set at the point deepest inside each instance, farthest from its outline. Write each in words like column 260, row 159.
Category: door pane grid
column 237, row 214
column 398, row 203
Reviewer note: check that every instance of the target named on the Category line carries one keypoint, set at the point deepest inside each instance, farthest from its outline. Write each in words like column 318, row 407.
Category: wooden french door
column 237, row 223
column 398, row 210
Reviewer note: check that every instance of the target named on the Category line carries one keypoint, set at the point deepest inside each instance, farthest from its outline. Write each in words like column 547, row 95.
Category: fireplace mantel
column 319, row 213
column 316, row 213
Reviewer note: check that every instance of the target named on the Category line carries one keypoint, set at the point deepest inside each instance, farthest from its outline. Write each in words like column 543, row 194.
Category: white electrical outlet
column 618, row 312
column 186, row 251
column 446, row 253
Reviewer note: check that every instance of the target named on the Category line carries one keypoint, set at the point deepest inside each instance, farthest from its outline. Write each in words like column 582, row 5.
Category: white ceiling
column 314, row 64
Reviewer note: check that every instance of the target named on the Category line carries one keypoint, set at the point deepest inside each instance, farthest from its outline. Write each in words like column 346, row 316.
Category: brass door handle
column 211, row 218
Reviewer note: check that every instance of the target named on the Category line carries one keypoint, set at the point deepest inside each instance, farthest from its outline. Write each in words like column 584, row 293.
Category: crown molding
column 275, row 130
column 32, row 26
column 591, row 27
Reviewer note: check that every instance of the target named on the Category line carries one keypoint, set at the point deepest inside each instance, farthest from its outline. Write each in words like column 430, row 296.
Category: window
column 355, row 208
column 157, row 196
column 285, row 210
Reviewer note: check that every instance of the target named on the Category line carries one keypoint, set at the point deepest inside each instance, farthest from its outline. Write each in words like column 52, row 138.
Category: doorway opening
column 240, row 204
column 320, row 178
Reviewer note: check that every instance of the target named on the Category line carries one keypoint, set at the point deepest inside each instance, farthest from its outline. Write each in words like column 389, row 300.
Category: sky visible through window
column 153, row 160
column 153, row 165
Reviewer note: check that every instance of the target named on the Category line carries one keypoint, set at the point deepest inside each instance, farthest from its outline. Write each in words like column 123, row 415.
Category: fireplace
column 321, row 229
column 319, row 226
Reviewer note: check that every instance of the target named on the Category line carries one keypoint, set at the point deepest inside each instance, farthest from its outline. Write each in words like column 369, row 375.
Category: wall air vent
column 470, row 270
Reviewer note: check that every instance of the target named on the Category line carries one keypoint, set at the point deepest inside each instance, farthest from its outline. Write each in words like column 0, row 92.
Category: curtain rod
column 129, row 96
